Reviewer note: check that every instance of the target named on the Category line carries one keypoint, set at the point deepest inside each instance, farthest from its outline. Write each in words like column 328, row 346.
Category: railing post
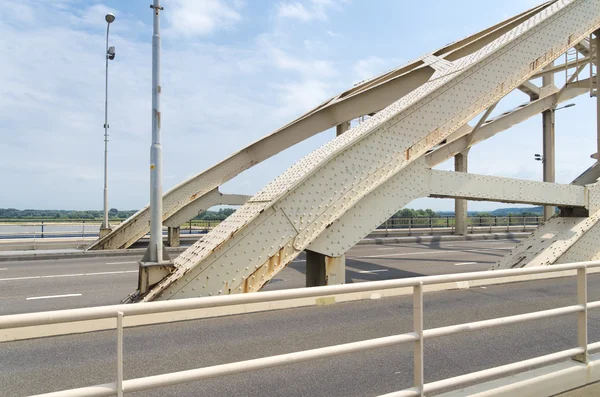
column 582, row 326
column 190, row 227
column 409, row 225
column 386, row 227
column 419, row 368
column 120, row 354
column 42, row 229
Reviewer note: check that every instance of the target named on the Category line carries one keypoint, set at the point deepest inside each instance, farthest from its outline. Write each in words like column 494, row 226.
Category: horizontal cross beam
column 506, row 190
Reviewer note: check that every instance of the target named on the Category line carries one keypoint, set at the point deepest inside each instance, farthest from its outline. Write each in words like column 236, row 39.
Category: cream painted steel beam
column 548, row 159
column 461, row 209
column 204, row 203
column 530, row 89
column 597, row 61
column 590, row 176
column 505, row 121
column 324, row 196
column 341, row 128
column 366, row 98
column 505, row 190
column 561, row 67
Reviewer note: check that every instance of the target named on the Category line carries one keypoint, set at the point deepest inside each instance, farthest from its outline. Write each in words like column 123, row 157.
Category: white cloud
column 198, row 18
column 311, row 10
column 372, row 66
column 94, row 15
column 369, row 67
column 294, row 11
column 333, row 34
column 285, row 60
column 298, row 97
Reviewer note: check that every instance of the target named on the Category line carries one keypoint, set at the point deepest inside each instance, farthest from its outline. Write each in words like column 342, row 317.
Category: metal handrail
column 84, row 229
column 418, row 336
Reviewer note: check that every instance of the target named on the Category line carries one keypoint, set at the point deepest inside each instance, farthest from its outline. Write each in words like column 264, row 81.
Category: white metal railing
column 417, row 337
column 88, row 229
column 447, row 224
column 81, row 229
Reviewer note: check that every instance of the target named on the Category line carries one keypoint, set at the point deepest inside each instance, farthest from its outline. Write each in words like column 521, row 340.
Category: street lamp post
column 154, row 254
column 110, row 55
column 548, row 157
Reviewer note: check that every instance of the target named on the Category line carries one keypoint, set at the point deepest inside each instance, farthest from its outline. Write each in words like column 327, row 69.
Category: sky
column 232, row 72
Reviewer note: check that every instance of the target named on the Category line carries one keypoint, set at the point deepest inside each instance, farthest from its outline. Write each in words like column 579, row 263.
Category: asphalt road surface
column 40, row 285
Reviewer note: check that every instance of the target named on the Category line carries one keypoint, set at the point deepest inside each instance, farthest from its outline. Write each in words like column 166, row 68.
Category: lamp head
column 110, row 17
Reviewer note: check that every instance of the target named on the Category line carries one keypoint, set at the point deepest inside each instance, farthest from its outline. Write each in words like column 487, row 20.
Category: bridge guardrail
column 417, row 337
column 85, row 229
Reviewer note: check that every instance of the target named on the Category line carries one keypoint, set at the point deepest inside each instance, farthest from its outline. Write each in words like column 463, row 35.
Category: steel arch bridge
column 420, row 115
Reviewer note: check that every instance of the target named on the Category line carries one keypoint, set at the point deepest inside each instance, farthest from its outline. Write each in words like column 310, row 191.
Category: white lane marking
column 66, row 275
column 32, row 298
column 372, row 271
column 4, row 268
column 462, row 243
column 465, row 263
column 436, row 252
column 299, row 260
column 120, row 263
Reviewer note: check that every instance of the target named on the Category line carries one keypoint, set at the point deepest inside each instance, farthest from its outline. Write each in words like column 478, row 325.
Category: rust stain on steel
column 265, row 272
column 329, row 267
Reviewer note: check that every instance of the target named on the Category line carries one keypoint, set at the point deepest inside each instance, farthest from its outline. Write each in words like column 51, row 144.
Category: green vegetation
column 15, row 215
column 410, row 213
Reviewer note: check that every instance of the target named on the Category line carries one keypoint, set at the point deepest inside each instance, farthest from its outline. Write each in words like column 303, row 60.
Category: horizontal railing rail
column 417, row 337
column 88, row 229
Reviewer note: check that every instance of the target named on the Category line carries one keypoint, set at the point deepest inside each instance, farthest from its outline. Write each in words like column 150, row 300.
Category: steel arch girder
column 367, row 97
column 246, row 250
column 204, row 203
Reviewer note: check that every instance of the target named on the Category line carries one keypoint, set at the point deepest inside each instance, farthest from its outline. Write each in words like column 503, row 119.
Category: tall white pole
column 105, row 217
column 597, row 52
column 155, row 249
column 549, row 158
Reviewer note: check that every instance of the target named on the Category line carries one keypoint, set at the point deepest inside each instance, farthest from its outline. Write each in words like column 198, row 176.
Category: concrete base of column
column 173, row 236
column 104, row 231
column 324, row 270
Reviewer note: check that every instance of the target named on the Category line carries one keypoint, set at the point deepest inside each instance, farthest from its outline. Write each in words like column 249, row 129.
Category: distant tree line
column 219, row 215
column 113, row 213
column 222, row 213
column 410, row 213
column 13, row 213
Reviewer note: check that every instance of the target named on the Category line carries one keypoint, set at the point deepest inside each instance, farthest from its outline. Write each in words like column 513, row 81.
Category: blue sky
column 233, row 71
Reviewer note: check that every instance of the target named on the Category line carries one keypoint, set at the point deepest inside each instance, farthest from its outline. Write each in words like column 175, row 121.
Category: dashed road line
column 67, row 275
column 32, row 298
